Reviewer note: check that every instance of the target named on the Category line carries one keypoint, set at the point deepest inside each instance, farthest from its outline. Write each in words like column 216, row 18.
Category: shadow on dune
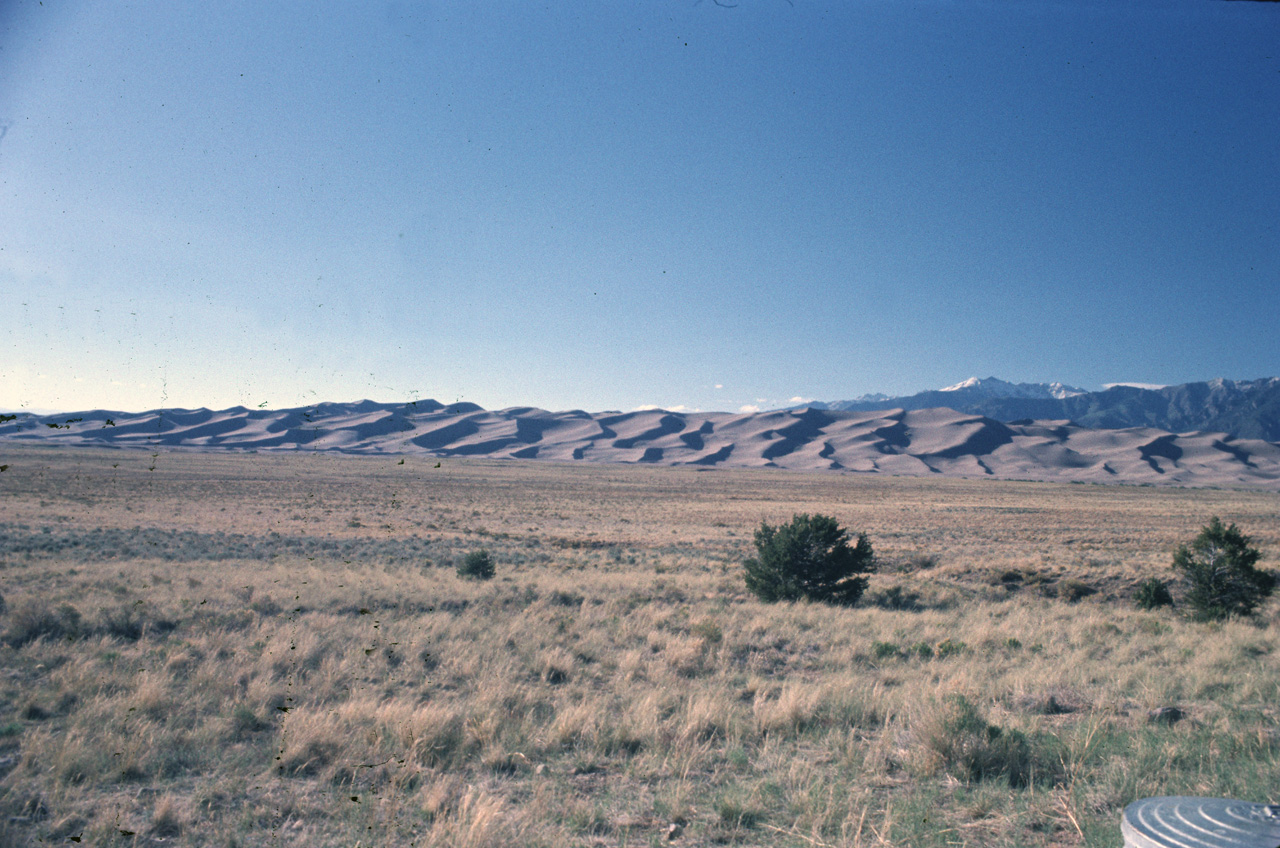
column 1161, row 448
column 807, row 426
column 449, row 432
column 985, row 437
column 667, row 425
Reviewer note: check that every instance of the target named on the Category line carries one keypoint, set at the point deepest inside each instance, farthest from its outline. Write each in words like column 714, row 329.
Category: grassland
column 241, row 650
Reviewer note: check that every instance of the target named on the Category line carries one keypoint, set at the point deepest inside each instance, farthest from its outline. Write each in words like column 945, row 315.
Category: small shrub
column 477, row 565
column 1073, row 590
column 265, row 606
column 1010, row 580
column 959, row 739
column 130, row 622
column 1152, row 627
column 708, row 631
column 122, row 622
column 430, row 662
column 1218, row 573
column 168, row 819
column 31, row 619
column 1152, row 593
column 33, row 710
column 809, row 558
column 918, row 562
column 923, row 650
column 736, row 814
column 896, row 599
column 565, row 599
column 884, row 650
column 950, row 648
column 244, row 720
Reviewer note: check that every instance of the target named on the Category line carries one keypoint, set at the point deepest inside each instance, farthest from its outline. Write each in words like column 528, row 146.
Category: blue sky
column 607, row 205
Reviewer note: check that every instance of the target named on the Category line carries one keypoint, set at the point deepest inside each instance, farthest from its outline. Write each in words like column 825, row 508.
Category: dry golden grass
column 614, row 684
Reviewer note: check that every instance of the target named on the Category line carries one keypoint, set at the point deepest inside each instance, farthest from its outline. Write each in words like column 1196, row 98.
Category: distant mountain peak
column 1248, row 409
column 971, row 383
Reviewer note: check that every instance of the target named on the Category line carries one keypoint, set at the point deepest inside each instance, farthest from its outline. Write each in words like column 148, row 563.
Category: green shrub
column 477, row 565
column 809, row 558
column 923, row 650
column 884, row 650
column 735, row 813
column 1151, row 593
column 1218, row 573
column 960, row 739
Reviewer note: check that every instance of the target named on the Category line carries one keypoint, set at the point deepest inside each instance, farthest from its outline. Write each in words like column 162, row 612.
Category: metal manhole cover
column 1181, row 822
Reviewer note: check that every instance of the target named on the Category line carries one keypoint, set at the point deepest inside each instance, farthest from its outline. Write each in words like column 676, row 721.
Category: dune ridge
column 921, row 442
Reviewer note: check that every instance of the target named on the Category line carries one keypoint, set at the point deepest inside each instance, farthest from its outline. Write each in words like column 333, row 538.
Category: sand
column 911, row 443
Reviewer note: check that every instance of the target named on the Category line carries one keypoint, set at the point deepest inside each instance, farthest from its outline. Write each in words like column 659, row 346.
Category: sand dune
column 903, row 442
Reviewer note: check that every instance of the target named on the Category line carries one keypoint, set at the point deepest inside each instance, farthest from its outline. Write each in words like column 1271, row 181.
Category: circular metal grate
column 1180, row 822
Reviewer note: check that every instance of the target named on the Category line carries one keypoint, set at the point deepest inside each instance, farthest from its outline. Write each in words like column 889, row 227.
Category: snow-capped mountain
column 1245, row 408
column 995, row 387
column 962, row 395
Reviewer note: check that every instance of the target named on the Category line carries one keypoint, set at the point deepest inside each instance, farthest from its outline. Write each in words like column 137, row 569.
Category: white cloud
column 719, row 385
column 749, row 408
column 798, row 399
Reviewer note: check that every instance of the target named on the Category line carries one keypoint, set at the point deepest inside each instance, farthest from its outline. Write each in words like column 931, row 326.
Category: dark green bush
column 1151, row 593
column 809, row 558
column 1218, row 573
column 477, row 565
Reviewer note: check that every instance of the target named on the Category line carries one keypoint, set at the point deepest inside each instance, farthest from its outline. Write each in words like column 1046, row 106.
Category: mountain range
column 910, row 442
column 1247, row 409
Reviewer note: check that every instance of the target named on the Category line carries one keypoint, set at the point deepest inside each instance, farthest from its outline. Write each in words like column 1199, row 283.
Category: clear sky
column 604, row 205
